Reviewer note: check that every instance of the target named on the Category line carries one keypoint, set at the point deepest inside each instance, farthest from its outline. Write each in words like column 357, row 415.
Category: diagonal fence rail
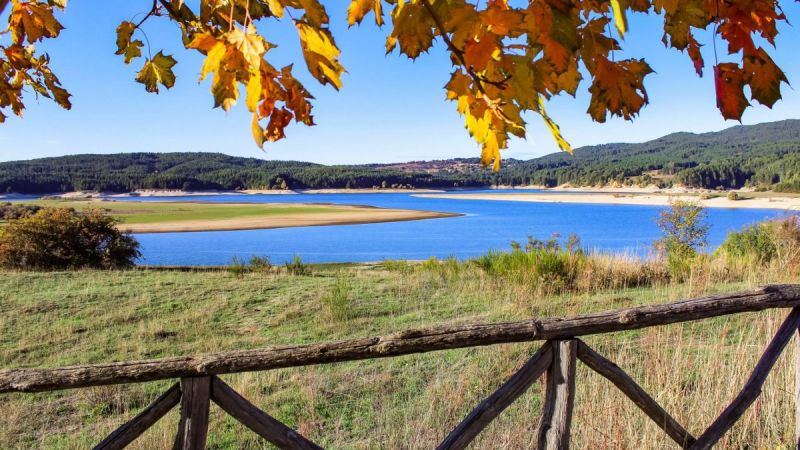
column 557, row 360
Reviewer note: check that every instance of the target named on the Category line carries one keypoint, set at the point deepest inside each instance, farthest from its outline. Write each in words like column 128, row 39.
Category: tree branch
column 459, row 54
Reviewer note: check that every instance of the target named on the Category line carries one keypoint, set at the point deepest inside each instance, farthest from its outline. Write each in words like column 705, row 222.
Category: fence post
column 193, row 427
column 554, row 428
column 797, row 392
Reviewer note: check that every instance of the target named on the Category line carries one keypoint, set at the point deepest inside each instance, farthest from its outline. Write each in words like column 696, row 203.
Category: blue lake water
column 486, row 225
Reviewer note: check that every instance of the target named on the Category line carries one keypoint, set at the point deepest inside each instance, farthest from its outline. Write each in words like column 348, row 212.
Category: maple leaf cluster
column 20, row 64
column 510, row 57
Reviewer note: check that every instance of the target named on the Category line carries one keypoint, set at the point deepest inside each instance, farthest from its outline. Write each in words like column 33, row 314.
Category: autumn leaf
column 32, row 21
column 618, row 88
column 157, row 71
column 321, row 54
column 620, row 21
column 764, row 77
column 126, row 46
column 555, row 130
column 358, row 9
column 413, row 29
column 729, row 81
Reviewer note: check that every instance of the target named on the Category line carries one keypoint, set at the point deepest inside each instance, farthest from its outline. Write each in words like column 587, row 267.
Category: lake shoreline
column 658, row 198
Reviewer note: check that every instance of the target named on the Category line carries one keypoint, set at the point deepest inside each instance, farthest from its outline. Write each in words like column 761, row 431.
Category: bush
column 765, row 242
column 684, row 231
column 260, row 264
column 297, row 267
column 11, row 211
column 733, row 196
column 62, row 238
column 337, row 301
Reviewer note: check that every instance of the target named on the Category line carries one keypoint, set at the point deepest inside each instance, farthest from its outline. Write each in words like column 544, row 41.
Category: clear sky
column 390, row 108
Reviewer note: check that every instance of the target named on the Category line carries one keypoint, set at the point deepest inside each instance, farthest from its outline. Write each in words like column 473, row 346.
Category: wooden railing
column 557, row 357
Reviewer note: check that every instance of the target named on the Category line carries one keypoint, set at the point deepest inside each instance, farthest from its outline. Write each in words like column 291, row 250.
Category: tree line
column 765, row 155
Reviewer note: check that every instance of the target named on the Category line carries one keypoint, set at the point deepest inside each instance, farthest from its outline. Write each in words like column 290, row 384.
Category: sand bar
column 651, row 199
column 338, row 215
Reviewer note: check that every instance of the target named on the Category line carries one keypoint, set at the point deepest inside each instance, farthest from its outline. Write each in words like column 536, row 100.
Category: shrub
column 765, row 242
column 545, row 264
column 62, row 238
column 11, row 211
column 684, row 231
column 297, row 267
column 733, row 196
column 337, row 301
column 755, row 243
column 237, row 268
column 260, row 264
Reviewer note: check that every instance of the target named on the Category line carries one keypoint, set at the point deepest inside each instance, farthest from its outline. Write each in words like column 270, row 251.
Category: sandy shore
column 181, row 193
column 652, row 199
column 340, row 215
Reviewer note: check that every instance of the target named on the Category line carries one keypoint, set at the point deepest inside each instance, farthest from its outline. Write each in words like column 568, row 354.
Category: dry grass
column 408, row 402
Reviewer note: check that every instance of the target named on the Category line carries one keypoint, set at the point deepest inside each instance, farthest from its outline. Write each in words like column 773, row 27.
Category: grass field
column 410, row 402
column 144, row 217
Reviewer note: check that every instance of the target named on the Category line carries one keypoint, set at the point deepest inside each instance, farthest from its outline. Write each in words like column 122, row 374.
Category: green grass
column 55, row 319
column 157, row 212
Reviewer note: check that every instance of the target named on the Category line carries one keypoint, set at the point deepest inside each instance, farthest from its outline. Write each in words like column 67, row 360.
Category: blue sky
column 390, row 108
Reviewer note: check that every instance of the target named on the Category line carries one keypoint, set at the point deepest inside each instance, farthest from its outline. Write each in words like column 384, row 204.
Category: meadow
column 693, row 369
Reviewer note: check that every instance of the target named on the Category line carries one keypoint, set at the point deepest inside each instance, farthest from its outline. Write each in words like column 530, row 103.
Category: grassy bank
column 407, row 402
column 154, row 217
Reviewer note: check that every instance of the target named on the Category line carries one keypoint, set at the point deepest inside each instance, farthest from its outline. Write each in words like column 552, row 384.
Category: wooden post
column 193, row 427
column 554, row 427
column 797, row 392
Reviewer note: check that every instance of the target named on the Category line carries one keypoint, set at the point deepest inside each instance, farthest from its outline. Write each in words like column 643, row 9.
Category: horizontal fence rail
column 403, row 343
column 556, row 360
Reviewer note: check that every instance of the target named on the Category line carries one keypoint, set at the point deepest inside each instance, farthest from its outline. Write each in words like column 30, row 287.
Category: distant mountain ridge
column 764, row 155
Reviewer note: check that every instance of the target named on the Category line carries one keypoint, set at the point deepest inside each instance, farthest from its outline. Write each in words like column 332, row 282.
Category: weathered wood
column 751, row 389
column 407, row 342
column 500, row 399
column 556, row 421
column 193, row 427
column 633, row 391
column 797, row 392
column 128, row 432
column 257, row 420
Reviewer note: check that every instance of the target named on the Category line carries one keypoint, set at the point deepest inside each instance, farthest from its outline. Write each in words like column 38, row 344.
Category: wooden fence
column 557, row 358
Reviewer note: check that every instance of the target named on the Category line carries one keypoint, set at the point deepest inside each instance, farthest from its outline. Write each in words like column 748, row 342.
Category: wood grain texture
column 128, row 432
column 556, row 421
column 402, row 343
column 633, row 391
column 257, row 420
column 499, row 400
column 193, row 427
column 751, row 389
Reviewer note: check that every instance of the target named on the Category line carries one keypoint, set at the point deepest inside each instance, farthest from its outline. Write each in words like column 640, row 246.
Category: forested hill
column 764, row 155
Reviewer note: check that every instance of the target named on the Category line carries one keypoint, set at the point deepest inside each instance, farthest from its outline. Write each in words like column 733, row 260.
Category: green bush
column 764, row 242
column 337, row 300
column 260, row 264
column 297, row 267
column 544, row 263
column 684, row 231
column 62, row 238
column 733, row 196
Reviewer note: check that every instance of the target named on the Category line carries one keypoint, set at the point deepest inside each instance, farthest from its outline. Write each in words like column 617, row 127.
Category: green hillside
column 765, row 155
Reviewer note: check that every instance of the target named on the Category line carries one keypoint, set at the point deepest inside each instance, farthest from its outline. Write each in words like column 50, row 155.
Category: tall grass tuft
column 297, row 267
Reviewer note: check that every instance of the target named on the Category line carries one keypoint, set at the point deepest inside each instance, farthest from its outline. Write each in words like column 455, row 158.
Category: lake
column 486, row 225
